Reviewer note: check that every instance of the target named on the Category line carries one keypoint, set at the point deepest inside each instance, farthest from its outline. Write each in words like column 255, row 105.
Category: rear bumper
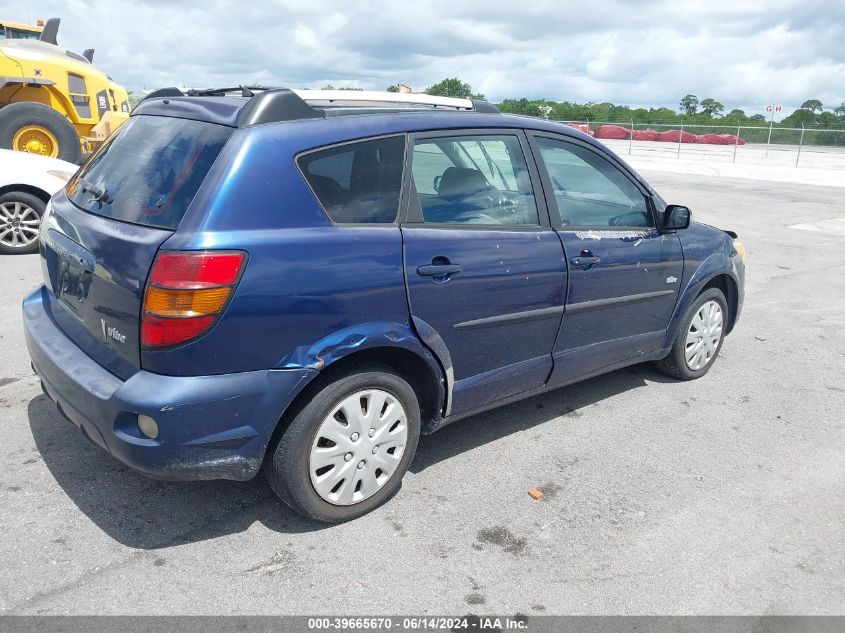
column 210, row 427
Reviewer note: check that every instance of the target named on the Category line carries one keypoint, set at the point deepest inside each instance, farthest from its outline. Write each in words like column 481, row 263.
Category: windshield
column 149, row 171
column 18, row 34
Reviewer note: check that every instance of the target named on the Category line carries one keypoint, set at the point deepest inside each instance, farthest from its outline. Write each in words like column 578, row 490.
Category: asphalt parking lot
column 723, row 496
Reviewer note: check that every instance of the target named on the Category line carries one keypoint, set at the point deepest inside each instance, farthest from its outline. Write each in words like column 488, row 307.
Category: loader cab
column 15, row 31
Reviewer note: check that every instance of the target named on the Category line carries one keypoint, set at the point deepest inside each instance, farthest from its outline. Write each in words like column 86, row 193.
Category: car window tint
column 474, row 180
column 149, row 171
column 357, row 183
column 589, row 190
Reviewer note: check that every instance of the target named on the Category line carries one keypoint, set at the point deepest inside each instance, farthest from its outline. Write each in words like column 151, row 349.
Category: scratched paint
column 599, row 235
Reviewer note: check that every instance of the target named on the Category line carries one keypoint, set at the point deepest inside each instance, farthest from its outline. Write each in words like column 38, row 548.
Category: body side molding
column 513, row 317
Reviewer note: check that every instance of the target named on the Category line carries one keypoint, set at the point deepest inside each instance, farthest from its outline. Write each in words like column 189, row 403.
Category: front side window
column 589, row 190
column 357, row 183
column 473, row 180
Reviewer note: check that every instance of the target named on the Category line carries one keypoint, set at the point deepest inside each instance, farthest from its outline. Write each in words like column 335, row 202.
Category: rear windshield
column 149, row 172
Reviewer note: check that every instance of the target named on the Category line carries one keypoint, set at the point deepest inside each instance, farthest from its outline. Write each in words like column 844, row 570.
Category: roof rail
column 171, row 91
column 372, row 97
column 274, row 105
column 242, row 91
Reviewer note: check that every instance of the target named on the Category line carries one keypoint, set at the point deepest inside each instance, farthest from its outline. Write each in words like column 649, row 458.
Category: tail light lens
column 186, row 293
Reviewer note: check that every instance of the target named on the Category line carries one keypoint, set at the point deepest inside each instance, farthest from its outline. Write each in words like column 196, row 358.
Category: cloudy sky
column 744, row 54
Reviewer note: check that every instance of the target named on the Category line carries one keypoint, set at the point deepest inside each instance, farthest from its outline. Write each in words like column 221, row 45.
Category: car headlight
column 740, row 249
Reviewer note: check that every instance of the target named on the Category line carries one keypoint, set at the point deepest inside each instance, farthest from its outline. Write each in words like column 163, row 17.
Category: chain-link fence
column 749, row 144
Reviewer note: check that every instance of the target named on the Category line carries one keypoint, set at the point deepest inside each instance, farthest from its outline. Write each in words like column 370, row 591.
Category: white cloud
column 739, row 52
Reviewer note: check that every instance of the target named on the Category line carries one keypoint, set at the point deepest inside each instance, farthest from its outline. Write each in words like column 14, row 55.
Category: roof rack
column 273, row 105
column 374, row 98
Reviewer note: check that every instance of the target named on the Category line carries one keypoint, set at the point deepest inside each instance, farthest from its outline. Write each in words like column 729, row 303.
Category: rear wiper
column 97, row 194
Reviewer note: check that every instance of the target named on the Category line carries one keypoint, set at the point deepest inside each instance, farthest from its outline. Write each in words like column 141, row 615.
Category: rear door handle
column 438, row 270
column 590, row 260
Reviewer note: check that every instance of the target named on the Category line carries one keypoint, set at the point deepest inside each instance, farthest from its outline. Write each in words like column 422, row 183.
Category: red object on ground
column 673, row 136
column 645, row 135
column 616, row 132
column 718, row 139
column 582, row 127
column 620, row 133
column 721, row 139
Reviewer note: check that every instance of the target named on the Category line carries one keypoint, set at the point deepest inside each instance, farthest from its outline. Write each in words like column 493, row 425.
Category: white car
column 27, row 182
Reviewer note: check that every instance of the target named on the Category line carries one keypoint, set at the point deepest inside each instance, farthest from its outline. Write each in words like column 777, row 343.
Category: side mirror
column 676, row 217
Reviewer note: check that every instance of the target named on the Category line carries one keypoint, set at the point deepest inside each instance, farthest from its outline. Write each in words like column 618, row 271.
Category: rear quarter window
column 357, row 183
column 149, row 171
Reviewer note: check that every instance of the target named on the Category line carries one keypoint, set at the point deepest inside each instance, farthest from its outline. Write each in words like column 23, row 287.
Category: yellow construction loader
column 53, row 101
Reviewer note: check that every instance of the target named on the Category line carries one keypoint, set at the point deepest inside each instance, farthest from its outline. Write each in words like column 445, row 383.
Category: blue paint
column 314, row 293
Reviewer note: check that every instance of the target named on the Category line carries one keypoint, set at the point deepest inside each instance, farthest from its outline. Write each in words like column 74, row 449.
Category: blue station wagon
column 304, row 281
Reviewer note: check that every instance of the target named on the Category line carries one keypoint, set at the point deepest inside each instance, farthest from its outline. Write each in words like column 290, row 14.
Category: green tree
column 736, row 113
column 520, row 106
column 711, row 108
column 827, row 119
column 689, row 104
column 813, row 105
column 453, row 87
column 393, row 88
column 800, row 117
column 840, row 112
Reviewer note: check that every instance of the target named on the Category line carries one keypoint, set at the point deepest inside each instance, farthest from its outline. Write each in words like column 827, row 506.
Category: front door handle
column 585, row 261
column 438, row 270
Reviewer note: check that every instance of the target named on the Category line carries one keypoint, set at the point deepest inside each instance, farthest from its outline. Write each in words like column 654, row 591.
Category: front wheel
column 699, row 338
column 345, row 452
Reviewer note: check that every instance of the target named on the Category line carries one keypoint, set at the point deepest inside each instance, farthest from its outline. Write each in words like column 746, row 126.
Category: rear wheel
column 20, row 219
column 346, row 451
column 699, row 338
column 38, row 129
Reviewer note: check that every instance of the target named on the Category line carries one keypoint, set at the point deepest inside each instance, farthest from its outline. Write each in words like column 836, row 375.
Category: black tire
column 33, row 202
column 675, row 363
column 18, row 115
column 287, row 463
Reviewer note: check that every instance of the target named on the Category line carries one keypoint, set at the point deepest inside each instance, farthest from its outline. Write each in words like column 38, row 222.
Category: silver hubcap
column 18, row 224
column 358, row 447
column 704, row 335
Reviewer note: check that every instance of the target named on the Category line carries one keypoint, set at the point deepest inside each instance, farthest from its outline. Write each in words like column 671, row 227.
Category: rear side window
column 474, row 180
column 149, row 171
column 357, row 183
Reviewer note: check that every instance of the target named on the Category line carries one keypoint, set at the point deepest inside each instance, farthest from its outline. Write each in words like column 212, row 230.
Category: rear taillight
column 185, row 294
